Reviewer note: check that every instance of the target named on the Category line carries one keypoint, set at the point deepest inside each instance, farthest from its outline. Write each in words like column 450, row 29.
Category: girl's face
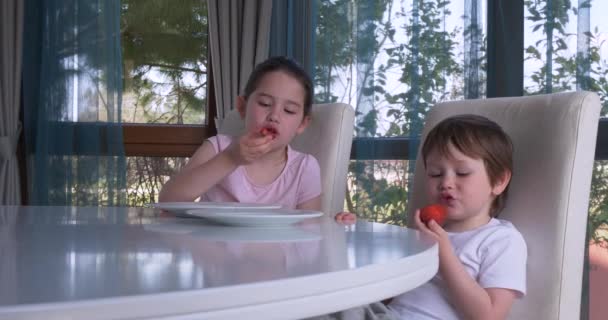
column 277, row 103
column 461, row 183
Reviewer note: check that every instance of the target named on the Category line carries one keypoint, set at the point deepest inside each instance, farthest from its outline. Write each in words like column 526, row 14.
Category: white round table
column 133, row 263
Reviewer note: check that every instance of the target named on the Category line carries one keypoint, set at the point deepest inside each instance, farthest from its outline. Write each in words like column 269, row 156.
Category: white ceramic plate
column 255, row 218
column 182, row 207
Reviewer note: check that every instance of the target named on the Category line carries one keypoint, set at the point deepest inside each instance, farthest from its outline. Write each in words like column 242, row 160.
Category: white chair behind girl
column 328, row 138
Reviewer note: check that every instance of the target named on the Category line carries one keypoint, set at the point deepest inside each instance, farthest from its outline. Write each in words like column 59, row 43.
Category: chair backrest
column 328, row 138
column 554, row 139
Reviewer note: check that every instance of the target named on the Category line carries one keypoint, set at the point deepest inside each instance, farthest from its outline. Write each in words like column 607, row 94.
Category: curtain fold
column 72, row 103
column 11, row 29
column 292, row 32
column 238, row 39
column 8, row 252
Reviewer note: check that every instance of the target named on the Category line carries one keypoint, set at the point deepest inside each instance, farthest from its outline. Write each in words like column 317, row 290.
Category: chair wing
column 328, row 138
column 554, row 140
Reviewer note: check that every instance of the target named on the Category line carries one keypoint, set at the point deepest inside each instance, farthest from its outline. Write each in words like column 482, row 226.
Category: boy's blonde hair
column 479, row 138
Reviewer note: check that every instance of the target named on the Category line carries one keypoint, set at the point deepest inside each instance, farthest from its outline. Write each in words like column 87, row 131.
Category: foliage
column 379, row 190
column 564, row 70
column 374, row 44
column 147, row 175
column 334, row 46
column 424, row 61
column 165, row 58
column 598, row 203
column 164, row 48
column 360, row 47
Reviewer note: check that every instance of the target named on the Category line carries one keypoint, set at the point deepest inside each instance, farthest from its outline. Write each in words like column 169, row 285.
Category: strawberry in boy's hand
column 269, row 130
column 435, row 212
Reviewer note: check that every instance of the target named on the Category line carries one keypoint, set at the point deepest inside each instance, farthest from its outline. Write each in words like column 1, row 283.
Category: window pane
column 377, row 190
column 146, row 175
column 393, row 60
column 565, row 48
column 164, row 61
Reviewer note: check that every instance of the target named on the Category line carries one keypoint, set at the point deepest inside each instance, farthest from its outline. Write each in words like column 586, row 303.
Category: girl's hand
column 346, row 218
column 249, row 147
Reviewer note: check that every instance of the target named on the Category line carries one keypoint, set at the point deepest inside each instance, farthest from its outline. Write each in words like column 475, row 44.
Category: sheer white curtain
column 239, row 31
column 11, row 29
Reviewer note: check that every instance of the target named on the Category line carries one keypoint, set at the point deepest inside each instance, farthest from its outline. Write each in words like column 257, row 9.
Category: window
column 565, row 50
column 387, row 61
column 165, row 91
column 392, row 61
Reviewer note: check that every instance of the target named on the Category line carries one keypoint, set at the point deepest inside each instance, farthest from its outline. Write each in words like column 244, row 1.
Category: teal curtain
column 72, row 89
column 293, row 31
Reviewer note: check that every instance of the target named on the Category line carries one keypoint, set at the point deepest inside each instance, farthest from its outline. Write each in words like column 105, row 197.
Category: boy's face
column 461, row 183
column 277, row 103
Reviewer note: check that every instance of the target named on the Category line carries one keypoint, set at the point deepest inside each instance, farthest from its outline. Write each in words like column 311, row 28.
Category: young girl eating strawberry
column 259, row 166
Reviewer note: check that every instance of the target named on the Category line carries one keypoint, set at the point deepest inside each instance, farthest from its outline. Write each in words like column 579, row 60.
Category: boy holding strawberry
column 482, row 259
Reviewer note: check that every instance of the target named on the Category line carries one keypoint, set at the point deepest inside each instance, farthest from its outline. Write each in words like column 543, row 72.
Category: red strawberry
column 269, row 130
column 435, row 212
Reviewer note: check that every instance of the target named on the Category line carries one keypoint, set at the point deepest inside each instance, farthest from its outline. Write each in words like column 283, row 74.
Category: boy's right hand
column 432, row 228
column 435, row 231
column 249, row 147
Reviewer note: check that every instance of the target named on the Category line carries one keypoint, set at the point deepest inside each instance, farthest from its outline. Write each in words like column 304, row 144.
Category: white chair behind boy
column 328, row 138
column 554, row 139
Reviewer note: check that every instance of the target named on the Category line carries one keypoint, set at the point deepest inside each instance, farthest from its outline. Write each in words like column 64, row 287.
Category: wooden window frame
column 171, row 140
column 163, row 140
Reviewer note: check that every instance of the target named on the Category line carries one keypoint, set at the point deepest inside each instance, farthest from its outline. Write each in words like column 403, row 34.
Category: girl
column 259, row 166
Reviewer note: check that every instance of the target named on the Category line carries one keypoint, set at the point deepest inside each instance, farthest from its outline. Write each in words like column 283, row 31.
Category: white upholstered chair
column 328, row 138
column 554, row 140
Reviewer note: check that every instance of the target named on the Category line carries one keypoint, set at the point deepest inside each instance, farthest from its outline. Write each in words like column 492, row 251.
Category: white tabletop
column 127, row 263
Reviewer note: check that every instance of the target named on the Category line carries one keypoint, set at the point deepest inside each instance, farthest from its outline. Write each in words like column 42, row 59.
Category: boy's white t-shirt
column 494, row 255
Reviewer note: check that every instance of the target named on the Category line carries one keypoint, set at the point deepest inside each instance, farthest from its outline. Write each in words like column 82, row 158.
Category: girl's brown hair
column 288, row 66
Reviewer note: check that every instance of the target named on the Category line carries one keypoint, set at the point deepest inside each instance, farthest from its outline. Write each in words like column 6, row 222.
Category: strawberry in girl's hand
column 269, row 130
column 435, row 212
